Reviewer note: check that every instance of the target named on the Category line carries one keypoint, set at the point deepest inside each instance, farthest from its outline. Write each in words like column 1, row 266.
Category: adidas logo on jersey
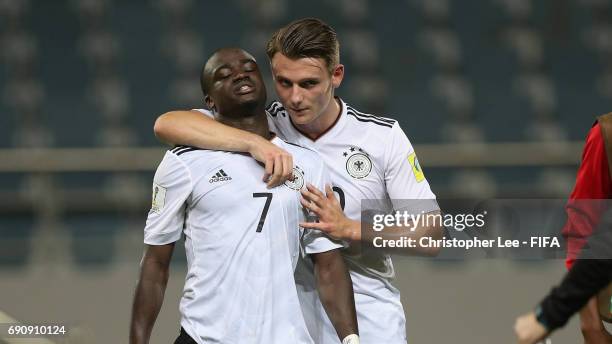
column 219, row 177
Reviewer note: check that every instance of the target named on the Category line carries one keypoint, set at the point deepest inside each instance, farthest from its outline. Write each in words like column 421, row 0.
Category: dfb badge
column 298, row 179
column 358, row 163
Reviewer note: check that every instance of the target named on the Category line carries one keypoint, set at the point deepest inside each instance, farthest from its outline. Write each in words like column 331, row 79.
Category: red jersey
column 593, row 182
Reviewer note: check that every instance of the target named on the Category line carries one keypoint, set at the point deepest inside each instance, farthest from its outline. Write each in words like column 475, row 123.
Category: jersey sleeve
column 276, row 120
column 592, row 183
column 405, row 181
column 315, row 241
column 272, row 125
column 205, row 112
column 172, row 185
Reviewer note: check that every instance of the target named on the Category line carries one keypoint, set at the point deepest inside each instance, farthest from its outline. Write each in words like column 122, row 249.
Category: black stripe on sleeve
column 178, row 150
column 369, row 120
column 187, row 150
column 274, row 109
column 369, row 116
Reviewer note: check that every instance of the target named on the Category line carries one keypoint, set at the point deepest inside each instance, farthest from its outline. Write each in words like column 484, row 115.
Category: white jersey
column 369, row 158
column 242, row 242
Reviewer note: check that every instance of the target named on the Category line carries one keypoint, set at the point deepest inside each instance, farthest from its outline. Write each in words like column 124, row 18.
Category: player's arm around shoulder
column 196, row 128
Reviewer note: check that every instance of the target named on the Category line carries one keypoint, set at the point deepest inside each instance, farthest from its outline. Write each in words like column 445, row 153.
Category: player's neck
column 323, row 123
column 256, row 124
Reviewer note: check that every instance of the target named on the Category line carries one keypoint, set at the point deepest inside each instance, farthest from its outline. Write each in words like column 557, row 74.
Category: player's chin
column 301, row 118
column 249, row 101
column 246, row 98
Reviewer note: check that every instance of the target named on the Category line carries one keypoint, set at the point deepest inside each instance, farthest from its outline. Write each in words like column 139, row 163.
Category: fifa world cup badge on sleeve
column 159, row 198
column 416, row 168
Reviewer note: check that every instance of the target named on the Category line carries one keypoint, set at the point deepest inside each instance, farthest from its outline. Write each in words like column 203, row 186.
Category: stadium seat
column 93, row 237
column 522, row 71
column 15, row 230
column 475, row 183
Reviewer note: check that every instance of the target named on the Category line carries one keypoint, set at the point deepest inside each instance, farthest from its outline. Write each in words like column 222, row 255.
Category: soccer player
column 370, row 157
column 242, row 240
column 585, row 206
column 587, row 276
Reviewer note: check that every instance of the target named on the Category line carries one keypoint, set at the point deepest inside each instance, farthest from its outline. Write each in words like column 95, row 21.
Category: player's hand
column 331, row 218
column 528, row 329
column 278, row 163
column 592, row 328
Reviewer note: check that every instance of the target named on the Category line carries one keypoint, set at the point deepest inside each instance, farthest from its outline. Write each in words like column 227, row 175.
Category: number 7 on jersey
column 264, row 212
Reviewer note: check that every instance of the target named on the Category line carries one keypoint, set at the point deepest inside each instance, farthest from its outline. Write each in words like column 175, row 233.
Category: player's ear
column 209, row 102
column 337, row 75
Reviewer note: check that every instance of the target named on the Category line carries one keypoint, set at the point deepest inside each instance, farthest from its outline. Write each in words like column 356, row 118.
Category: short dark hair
column 307, row 37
